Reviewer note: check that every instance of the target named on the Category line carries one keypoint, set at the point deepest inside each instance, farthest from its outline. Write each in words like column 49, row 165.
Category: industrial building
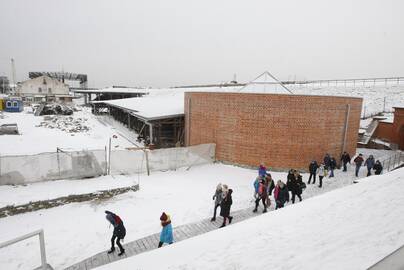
column 44, row 88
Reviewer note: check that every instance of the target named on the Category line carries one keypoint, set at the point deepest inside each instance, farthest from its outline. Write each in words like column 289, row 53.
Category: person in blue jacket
column 262, row 170
column 369, row 163
column 166, row 235
column 119, row 231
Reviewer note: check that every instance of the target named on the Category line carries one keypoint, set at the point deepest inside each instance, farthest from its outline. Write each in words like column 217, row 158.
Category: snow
column 350, row 228
column 153, row 107
column 17, row 195
column 170, row 101
column 373, row 96
column 34, row 139
column 161, row 103
column 76, row 231
column 115, row 90
column 265, row 83
column 378, row 154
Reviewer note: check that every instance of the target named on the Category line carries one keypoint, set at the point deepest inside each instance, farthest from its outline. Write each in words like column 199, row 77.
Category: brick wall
column 384, row 131
column 398, row 127
column 284, row 131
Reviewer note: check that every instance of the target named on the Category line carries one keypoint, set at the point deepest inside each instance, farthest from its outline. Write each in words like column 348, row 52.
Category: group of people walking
column 264, row 188
column 119, row 232
column 369, row 163
column 329, row 164
column 223, row 199
column 264, row 185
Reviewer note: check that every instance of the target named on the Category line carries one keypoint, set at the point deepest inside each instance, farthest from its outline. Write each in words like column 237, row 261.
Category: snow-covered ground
column 22, row 194
column 34, row 139
column 350, row 228
column 76, row 231
column 373, row 96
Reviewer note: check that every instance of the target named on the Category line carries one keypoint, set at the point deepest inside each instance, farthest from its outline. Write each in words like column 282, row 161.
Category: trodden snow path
column 150, row 242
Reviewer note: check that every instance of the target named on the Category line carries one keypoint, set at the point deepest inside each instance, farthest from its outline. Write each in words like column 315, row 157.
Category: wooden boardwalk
column 151, row 242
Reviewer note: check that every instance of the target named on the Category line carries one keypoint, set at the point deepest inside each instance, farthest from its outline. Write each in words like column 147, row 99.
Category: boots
column 255, row 210
column 230, row 219
column 213, row 219
column 111, row 250
column 121, row 253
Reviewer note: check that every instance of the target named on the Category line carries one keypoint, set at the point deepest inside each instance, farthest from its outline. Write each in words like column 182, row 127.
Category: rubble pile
column 65, row 123
column 56, row 109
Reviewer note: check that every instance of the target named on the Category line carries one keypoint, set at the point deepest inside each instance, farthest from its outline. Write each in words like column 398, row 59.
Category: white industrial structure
column 44, row 88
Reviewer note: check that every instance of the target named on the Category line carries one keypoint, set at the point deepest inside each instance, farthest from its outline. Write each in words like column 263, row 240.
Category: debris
column 65, row 123
column 54, row 109
column 10, row 129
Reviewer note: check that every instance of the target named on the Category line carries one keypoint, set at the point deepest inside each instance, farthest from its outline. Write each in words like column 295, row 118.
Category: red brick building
column 393, row 132
column 284, row 131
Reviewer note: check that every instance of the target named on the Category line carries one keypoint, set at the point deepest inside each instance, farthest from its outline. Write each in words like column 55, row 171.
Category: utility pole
column 13, row 74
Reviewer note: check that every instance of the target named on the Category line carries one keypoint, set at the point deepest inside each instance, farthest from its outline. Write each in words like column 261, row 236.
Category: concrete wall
column 283, row 131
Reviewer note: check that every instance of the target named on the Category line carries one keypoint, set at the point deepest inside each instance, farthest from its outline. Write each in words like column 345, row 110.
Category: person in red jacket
column 358, row 162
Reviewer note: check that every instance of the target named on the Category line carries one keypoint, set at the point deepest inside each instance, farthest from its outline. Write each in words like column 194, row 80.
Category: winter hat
column 163, row 216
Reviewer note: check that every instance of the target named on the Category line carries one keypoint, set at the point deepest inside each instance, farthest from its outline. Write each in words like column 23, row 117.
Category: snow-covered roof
column 266, row 83
column 115, row 90
column 161, row 103
column 152, row 107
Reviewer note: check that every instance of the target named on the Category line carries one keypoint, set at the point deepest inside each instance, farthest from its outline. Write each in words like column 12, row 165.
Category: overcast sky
column 180, row 42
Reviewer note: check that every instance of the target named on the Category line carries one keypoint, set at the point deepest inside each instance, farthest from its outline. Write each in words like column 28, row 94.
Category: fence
column 40, row 233
column 130, row 162
column 93, row 163
column 350, row 82
column 392, row 161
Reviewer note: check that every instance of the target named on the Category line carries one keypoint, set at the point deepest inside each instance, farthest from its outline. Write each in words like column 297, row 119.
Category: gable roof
column 266, row 83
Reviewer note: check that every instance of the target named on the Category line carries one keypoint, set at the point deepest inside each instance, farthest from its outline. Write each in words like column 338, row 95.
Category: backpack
column 303, row 185
column 117, row 219
column 261, row 189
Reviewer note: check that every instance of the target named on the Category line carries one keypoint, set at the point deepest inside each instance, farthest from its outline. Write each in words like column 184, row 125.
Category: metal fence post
column 389, row 164
column 394, row 163
column 42, row 247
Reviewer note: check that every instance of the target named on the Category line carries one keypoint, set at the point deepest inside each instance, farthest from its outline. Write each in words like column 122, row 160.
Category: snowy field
column 35, row 139
column 373, row 96
column 349, row 228
column 76, row 231
column 22, row 194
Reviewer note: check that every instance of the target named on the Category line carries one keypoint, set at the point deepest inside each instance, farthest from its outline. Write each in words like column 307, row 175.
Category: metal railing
column 352, row 82
column 392, row 161
column 393, row 261
column 44, row 265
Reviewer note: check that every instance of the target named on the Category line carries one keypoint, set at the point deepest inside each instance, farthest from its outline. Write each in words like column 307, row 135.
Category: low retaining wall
column 12, row 210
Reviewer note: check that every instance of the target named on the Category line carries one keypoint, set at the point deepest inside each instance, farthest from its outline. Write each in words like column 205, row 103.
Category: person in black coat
column 327, row 160
column 119, row 231
column 281, row 194
column 270, row 184
column 345, row 159
column 378, row 167
column 333, row 165
column 294, row 185
column 225, row 208
column 313, row 170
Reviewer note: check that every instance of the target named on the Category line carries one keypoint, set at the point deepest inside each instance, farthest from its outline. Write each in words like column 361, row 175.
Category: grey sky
column 178, row 42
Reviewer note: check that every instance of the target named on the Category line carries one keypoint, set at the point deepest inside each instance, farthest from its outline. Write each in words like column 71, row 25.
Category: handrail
column 393, row 261
column 40, row 232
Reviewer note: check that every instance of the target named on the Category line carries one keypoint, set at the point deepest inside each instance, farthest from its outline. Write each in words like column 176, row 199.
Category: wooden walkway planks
column 150, row 242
